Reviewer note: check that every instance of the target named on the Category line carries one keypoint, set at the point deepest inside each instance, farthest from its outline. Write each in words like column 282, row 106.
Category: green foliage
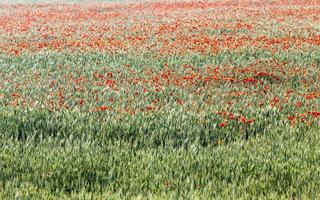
column 279, row 164
column 171, row 152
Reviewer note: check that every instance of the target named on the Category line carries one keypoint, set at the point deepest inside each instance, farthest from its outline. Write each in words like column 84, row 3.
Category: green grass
column 171, row 153
column 162, row 100
column 280, row 164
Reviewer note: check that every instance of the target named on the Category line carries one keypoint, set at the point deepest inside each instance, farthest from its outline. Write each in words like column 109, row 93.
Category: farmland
column 160, row 100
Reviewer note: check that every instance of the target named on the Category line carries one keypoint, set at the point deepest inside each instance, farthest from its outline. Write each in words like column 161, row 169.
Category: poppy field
column 160, row 100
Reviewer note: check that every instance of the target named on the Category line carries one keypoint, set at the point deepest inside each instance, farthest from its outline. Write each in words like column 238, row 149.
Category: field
column 160, row 100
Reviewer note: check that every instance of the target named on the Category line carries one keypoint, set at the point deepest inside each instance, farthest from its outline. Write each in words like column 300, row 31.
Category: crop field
column 160, row 99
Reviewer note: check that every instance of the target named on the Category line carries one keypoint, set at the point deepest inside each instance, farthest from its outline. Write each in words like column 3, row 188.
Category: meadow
column 160, row 100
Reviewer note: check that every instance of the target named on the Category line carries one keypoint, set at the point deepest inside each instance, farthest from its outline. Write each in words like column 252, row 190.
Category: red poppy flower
column 222, row 124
